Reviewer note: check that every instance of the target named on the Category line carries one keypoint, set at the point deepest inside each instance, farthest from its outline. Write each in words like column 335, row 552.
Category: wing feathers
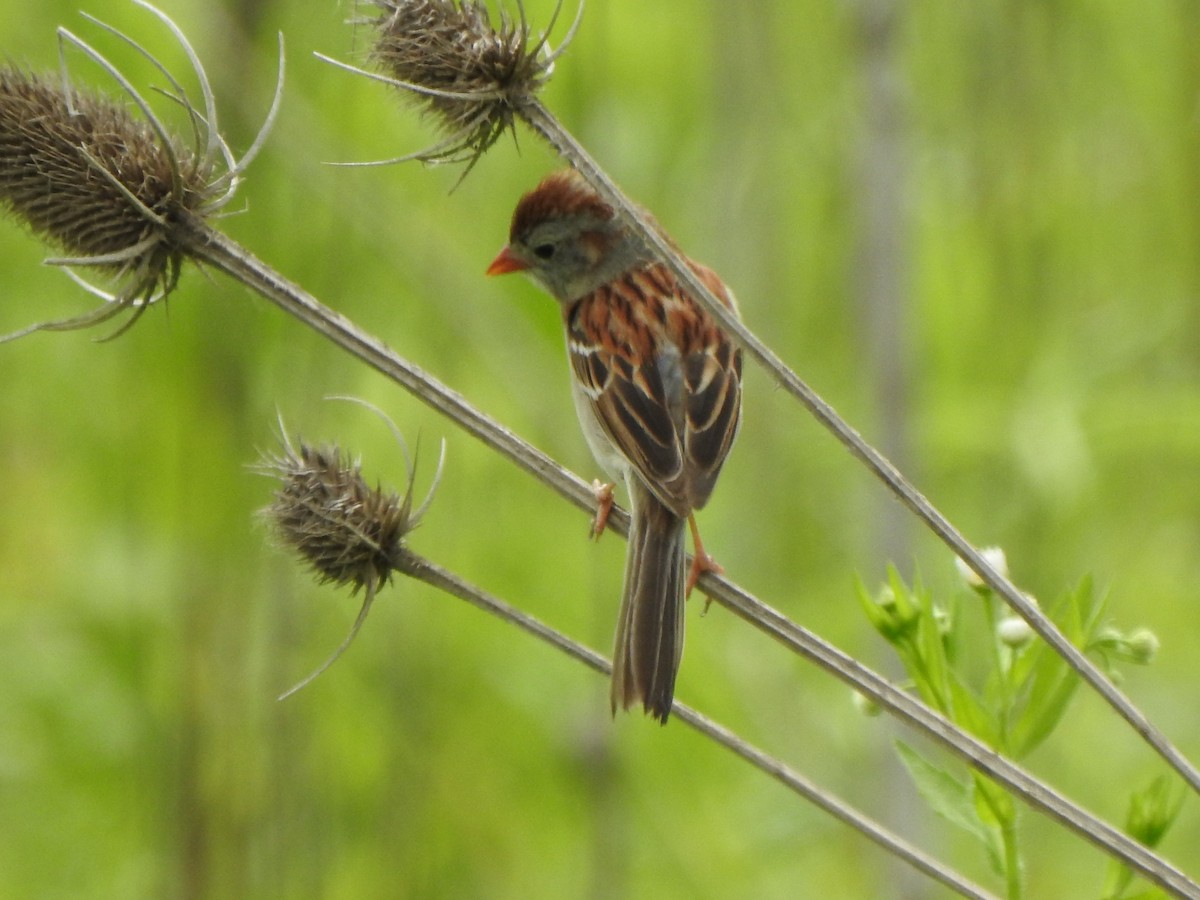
column 664, row 382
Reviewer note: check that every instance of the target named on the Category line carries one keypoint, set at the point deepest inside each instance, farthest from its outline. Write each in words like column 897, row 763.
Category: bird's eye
column 543, row 251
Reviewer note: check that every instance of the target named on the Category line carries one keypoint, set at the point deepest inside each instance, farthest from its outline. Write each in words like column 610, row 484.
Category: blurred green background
column 973, row 227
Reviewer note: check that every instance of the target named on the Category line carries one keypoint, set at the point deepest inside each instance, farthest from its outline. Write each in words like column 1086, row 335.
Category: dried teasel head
column 469, row 75
column 87, row 176
column 347, row 532
column 110, row 187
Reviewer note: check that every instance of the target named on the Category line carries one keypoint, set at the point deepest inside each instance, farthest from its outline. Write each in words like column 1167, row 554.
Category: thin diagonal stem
column 542, row 121
column 205, row 244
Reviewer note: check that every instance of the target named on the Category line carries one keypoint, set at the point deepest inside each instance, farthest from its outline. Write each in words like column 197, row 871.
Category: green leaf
column 950, row 798
column 1153, row 811
column 890, row 611
column 997, row 813
column 970, row 713
column 993, row 804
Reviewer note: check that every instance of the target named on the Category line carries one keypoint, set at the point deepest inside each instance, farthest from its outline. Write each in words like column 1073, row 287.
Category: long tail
column 650, row 630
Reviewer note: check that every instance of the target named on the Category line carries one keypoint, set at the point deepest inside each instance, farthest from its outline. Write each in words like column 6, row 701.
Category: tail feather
column 649, row 640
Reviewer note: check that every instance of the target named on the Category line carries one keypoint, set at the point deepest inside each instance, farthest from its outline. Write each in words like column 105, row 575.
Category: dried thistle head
column 110, row 188
column 469, row 75
column 84, row 174
column 347, row 532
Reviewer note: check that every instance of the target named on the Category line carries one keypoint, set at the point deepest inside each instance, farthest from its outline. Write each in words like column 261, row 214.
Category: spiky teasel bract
column 470, row 75
column 347, row 532
column 110, row 188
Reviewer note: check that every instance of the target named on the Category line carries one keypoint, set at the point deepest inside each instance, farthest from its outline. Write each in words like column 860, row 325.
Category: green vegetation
column 1046, row 395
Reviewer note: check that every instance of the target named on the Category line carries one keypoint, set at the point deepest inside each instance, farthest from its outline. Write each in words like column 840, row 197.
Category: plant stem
column 1012, row 858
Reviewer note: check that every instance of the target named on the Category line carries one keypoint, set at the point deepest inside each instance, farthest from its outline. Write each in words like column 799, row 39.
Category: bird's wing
column 663, row 381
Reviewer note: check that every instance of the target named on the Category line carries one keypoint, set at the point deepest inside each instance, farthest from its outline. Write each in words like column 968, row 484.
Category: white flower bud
column 994, row 557
column 886, row 598
column 1143, row 645
column 1014, row 631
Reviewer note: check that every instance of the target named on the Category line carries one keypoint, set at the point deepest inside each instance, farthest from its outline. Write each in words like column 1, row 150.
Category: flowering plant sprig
column 981, row 667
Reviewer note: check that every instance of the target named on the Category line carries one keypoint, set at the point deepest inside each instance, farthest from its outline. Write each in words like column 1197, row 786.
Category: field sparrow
column 658, row 390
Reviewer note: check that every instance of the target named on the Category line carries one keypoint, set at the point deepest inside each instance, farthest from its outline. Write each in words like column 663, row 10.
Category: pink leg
column 701, row 561
column 604, row 503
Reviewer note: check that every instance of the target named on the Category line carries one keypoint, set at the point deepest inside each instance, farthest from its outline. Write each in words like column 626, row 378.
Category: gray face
column 571, row 257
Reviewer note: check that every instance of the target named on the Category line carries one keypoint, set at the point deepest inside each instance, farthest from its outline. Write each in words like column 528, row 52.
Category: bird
column 657, row 387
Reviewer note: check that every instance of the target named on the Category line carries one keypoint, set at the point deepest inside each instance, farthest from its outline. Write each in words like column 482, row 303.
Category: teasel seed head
column 87, row 176
column 109, row 187
column 468, row 75
column 347, row 532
